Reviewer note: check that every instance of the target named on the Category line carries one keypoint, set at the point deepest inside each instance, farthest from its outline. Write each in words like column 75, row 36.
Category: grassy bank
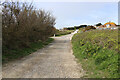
column 13, row 54
column 97, row 51
column 65, row 32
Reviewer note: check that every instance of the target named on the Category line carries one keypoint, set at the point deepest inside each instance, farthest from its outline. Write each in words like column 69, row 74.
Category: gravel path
column 54, row 61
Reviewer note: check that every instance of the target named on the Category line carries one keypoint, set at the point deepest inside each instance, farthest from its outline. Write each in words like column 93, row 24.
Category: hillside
column 97, row 51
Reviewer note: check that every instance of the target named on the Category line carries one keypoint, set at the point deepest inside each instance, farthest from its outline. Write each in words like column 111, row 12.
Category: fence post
column 54, row 35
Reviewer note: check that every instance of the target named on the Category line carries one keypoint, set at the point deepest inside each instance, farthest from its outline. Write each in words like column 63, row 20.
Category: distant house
column 108, row 25
column 101, row 26
column 118, row 26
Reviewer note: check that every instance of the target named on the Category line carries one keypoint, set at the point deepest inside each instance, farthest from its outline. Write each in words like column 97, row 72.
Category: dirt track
column 54, row 61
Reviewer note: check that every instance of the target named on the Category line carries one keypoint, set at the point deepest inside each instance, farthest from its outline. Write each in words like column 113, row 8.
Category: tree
column 99, row 24
column 23, row 24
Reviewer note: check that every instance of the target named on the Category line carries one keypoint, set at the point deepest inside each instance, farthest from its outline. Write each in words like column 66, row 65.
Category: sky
column 77, row 13
column 66, row 0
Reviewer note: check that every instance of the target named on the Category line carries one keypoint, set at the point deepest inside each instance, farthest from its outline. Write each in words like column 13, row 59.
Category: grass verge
column 65, row 32
column 97, row 51
column 19, row 53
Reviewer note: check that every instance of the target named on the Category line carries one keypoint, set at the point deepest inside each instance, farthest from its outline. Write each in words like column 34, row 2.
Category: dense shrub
column 88, row 28
column 23, row 24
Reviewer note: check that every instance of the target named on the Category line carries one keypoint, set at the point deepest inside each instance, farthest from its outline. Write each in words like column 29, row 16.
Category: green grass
column 97, row 51
column 19, row 53
column 65, row 32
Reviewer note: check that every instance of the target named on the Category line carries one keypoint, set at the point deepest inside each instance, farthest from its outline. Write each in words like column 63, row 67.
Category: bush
column 22, row 24
column 88, row 28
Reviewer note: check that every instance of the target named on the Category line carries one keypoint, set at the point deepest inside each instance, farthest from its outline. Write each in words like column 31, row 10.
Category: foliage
column 98, row 52
column 19, row 53
column 75, row 27
column 99, row 24
column 22, row 25
column 81, row 30
column 88, row 28
column 64, row 32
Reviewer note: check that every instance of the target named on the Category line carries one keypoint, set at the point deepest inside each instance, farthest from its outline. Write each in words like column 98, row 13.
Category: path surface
column 54, row 61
